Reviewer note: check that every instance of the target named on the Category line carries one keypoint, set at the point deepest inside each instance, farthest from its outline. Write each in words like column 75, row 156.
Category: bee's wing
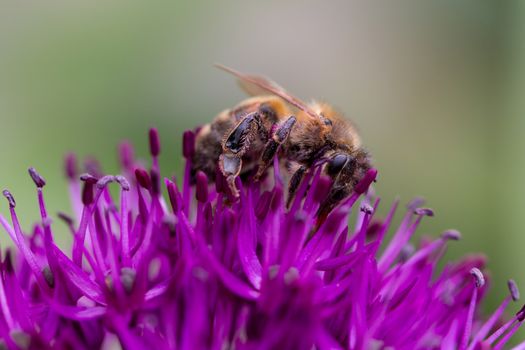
column 252, row 89
column 256, row 85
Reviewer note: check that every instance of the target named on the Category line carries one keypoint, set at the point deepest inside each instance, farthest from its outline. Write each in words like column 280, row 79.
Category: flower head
column 192, row 267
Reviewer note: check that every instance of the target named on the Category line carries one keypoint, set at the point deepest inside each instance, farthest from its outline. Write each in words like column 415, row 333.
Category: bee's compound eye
column 325, row 120
column 337, row 163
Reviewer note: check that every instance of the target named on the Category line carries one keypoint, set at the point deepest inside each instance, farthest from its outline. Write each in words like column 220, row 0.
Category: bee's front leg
column 295, row 181
column 340, row 168
column 272, row 146
column 235, row 145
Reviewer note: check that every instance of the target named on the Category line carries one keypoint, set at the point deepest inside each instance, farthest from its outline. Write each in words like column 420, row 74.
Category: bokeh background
column 436, row 88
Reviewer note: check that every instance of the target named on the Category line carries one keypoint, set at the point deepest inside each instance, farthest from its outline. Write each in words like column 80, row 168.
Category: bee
column 246, row 138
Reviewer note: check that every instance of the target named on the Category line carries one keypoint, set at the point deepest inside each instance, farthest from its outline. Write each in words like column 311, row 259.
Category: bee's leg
column 234, row 146
column 340, row 168
column 334, row 197
column 230, row 167
column 271, row 147
column 295, row 181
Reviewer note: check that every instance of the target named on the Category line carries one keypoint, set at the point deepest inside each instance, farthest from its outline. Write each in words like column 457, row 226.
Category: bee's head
column 328, row 114
column 345, row 169
column 336, row 126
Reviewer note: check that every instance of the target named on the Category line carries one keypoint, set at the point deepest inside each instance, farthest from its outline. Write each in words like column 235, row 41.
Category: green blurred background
column 435, row 87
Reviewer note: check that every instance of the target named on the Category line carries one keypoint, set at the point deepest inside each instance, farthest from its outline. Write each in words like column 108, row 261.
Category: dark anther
column 479, row 279
column 87, row 193
column 66, row 218
column 10, row 198
column 521, row 314
column 37, row 178
column 367, row 209
column 8, row 261
column 123, row 182
column 188, row 144
column 201, row 187
column 70, row 166
column 154, row 142
column 143, row 178
column 104, row 181
column 424, row 212
column 513, row 289
column 453, row 235
column 88, row 178
column 174, row 196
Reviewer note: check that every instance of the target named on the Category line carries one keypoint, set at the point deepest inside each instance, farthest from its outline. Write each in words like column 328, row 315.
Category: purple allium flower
column 205, row 271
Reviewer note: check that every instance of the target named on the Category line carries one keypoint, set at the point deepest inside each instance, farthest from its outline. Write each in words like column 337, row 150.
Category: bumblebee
column 246, row 139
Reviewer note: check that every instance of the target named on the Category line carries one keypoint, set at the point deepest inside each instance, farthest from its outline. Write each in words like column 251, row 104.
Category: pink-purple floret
column 158, row 266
